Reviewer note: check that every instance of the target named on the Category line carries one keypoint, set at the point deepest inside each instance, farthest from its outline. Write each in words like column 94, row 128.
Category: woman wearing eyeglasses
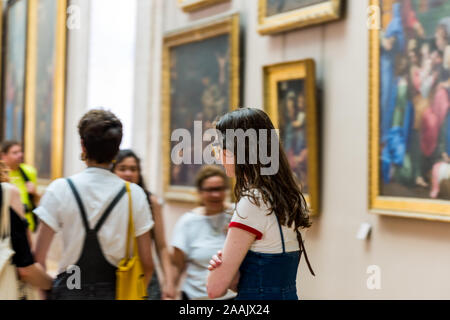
column 200, row 233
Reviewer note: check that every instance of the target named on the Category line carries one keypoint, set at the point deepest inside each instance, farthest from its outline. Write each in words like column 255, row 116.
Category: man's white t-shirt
column 97, row 188
column 256, row 220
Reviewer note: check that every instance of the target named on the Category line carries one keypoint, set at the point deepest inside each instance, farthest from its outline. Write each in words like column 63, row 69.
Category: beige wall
column 412, row 254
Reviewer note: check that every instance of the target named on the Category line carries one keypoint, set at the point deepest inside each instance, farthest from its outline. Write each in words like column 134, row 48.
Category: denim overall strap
column 110, row 209
column 302, row 249
column 80, row 205
column 281, row 233
column 98, row 275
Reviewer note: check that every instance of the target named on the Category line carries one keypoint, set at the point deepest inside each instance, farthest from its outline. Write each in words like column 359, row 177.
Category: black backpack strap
column 24, row 175
column 110, row 208
column 30, row 197
column 80, row 205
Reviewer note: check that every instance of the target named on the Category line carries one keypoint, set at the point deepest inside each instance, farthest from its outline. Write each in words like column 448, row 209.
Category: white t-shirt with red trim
column 256, row 220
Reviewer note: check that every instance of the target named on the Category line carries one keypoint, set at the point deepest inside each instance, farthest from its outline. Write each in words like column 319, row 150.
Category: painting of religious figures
column 291, row 103
column 283, row 15
column 200, row 83
column 14, row 70
column 193, row 5
column 44, row 132
column 410, row 109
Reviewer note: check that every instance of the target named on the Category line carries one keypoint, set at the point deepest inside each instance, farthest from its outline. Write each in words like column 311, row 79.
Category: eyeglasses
column 216, row 189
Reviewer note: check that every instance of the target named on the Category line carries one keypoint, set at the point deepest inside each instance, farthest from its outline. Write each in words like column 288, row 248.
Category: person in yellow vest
column 24, row 177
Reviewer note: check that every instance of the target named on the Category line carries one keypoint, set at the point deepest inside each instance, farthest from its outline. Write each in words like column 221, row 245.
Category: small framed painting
column 290, row 101
column 283, row 15
column 193, row 5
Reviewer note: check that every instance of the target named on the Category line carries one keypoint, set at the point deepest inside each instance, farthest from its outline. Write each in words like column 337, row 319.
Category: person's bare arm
column 36, row 276
column 168, row 290
column 35, row 273
column 179, row 264
column 237, row 244
column 16, row 203
column 44, row 240
column 145, row 255
column 216, row 262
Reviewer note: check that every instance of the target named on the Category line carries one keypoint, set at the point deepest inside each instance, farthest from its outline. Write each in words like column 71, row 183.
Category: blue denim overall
column 267, row 276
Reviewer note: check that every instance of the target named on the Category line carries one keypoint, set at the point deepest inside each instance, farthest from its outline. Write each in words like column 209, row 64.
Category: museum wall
column 412, row 254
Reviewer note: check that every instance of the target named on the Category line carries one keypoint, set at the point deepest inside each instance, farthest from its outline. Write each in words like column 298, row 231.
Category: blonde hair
column 4, row 172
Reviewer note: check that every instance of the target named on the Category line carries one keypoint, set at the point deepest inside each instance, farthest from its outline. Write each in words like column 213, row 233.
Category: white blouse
column 256, row 220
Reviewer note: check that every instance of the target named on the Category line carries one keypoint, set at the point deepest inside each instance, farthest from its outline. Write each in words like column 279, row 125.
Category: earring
column 83, row 156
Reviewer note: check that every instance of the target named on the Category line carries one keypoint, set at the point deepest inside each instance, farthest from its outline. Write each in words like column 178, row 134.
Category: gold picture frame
column 14, row 70
column 326, row 11
column 408, row 207
column 193, row 5
column 296, row 78
column 56, row 75
column 227, row 28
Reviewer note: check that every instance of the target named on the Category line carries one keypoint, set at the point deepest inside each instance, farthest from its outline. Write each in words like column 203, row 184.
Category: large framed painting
column 200, row 82
column 284, row 15
column 409, row 109
column 14, row 70
column 45, row 87
column 290, row 101
column 193, row 5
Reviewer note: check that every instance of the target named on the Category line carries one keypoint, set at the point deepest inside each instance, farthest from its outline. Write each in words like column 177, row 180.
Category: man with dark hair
column 23, row 176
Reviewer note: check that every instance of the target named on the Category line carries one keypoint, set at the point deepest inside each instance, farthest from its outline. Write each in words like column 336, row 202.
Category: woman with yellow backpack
column 105, row 222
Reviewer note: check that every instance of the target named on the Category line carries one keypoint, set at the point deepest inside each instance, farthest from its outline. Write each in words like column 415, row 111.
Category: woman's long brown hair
column 280, row 191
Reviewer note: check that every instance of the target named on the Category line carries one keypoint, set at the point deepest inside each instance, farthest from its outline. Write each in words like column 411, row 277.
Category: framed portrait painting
column 200, row 82
column 45, row 87
column 193, row 5
column 283, row 15
column 290, row 101
column 410, row 109
column 14, row 68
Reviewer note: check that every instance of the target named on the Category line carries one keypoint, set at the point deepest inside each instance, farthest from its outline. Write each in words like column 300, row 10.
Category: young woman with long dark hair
column 264, row 244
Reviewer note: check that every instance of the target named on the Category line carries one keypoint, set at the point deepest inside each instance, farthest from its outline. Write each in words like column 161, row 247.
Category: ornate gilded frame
column 227, row 25
column 392, row 206
column 5, row 29
column 327, row 11
column 2, row 41
column 304, row 69
column 193, row 5
column 58, row 92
